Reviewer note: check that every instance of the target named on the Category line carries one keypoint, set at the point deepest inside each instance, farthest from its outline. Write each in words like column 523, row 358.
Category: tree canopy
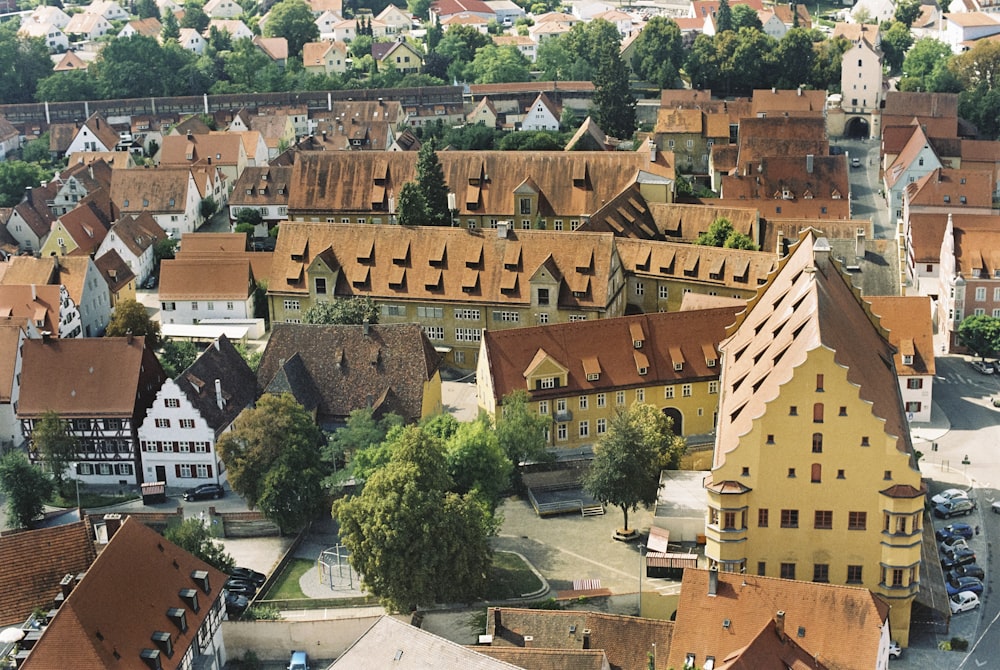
column 23, row 63
column 273, row 455
column 432, row 186
column 177, row 356
column 722, row 234
column 55, row 445
column 192, row 535
column 293, row 20
column 413, row 539
column 343, row 311
column 26, row 488
column 521, row 432
column 981, row 334
column 15, row 177
column 659, row 52
column 477, row 463
column 130, row 317
column 362, row 444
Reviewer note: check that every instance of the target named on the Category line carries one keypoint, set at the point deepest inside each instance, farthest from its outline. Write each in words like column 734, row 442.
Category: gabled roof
column 34, row 562
column 945, row 187
column 138, row 232
column 206, row 277
column 111, row 616
column 841, row 626
column 588, row 137
column 84, row 377
column 806, row 305
column 384, row 369
column 795, row 136
column 149, row 27
column 276, row 48
column 808, row 177
column 34, row 211
column 977, row 252
column 673, row 121
column 69, row 62
column 908, row 322
column 218, row 244
column 89, row 221
column 220, row 364
column 547, row 659
column 914, row 146
column 927, row 231
column 98, row 126
column 392, row 643
column 772, row 648
column 20, row 303
column 610, row 343
column 114, row 270
column 625, row 640
column 221, row 148
column 720, row 267
column 449, row 7
column 29, row 270
column 162, row 190
column 73, row 275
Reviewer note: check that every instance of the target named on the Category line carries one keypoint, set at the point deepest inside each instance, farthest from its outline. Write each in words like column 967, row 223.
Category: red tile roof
column 908, row 320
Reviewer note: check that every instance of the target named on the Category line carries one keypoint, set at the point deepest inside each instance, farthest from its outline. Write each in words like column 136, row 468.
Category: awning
column 659, row 560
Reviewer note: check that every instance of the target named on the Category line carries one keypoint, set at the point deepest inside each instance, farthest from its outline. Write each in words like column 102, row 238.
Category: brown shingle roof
column 842, row 624
column 204, row 277
column 29, row 270
column 122, row 601
column 160, row 190
column 114, row 270
column 101, row 129
column 20, row 303
column 220, row 361
column 221, row 148
column 908, row 320
column 73, row 275
column 219, row 244
column 385, row 369
column 33, row 562
column 546, row 659
column 10, row 339
column 273, row 180
column 955, row 188
column 34, row 210
column 138, row 232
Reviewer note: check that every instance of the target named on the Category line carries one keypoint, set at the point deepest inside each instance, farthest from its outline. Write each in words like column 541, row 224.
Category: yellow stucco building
column 813, row 475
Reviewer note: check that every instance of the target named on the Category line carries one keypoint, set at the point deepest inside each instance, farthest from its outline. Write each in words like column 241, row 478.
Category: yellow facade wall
column 432, row 403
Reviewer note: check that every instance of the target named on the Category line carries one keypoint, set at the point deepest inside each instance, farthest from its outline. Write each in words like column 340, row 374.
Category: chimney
column 128, row 337
column 497, row 624
column 713, row 582
column 366, row 327
column 502, row 230
column 652, row 151
column 529, row 641
column 800, row 91
column 34, row 293
column 586, row 638
column 190, row 136
column 779, row 625
column 859, row 243
column 809, row 163
column 218, row 394
column 66, row 585
column 112, row 522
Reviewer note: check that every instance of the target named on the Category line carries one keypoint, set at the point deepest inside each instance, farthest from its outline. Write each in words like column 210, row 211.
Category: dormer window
column 179, row 618
column 190, row 598
column 151, row 657
column 163, row 643
column 907, row 360
column 200, row 578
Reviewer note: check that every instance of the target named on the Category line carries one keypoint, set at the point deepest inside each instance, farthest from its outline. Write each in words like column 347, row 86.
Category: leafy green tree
column 827, row 67
column 194, row 16
column 411, row 209
column 614, row 104
column 413, row 539
column 164, row 249
column 499, row 65
column 171, row 29
column 922, row 61
column 419, row 8
column 23, row 63
column 748, row 67
column 436, row 65
column 247, row 67
column 55, row 446
column 65, row 87
column 723, row 17
column 532, row 140
column 659, row 52
column 208, row 207
column 722, row 234
column 434, row 189
column 797, row 58
column 442, row 426
column 702, row 64
column 477, row 463
column 138, row 67
column 896, row 40
column 459, row 45
column 130, row 317
column 625, row 471
column 745, row 16
column 907, row 11
column 521, row 432
column 355, row 443
column 361, row 46
column 16, row 177
column 249, row 216
column 37, row 150
column 273, row 454
column 979, row 66
column 192, row 535
column 147, row 9
column 979, row 106
column 293, row 20
column 980, row 334
column 589, row 44
column 554, row 60
column 343, row 311
column 26, row 488
column 177, row 356
column 474, row 137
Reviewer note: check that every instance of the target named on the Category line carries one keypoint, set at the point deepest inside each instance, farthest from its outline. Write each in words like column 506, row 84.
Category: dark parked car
column 954, row 558
column 957, row 507
column 971, row 570
column 246, row 574
column 241, row 587
column 204, row 492
column 236, row 604
column 952, row 530
column 959, row 584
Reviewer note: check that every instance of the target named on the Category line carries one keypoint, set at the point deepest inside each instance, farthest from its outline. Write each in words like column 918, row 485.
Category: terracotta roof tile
column 908, row 320
column 138, row 232
column 954, row 188
column 157, row 190
column 29, row 270
column 114, row 270
column 205, row 277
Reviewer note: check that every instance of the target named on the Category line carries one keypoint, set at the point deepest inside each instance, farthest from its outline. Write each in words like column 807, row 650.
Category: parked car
column 957, row 545
column 150, row 282
column 953, row 541
column 299, row 661
column 236, row 604
column 963, row 602
column 204, row 492
column 957, row 507
column 956, row 557
column 855, row 162
column 241, row 587
column 996, row 507
column 246, row 574
column 895, row 651
column 949, row 494
column 982, row 367
column 971, row 570
column 959, row 584
column 952, row 530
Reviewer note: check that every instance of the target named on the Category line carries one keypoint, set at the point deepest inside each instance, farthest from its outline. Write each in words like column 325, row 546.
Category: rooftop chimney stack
column 218, row 394
column 713, row 582
column 366, row 327
column 779, row 624
column 810, row 159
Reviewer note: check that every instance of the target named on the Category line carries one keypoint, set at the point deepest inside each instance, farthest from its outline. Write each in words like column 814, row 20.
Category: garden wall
column 275, row 640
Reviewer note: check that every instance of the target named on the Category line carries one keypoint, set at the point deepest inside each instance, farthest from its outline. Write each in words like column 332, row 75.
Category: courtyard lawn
column 510, row 577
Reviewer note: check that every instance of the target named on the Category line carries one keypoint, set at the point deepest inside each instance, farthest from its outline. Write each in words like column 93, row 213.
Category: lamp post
column 642, row 548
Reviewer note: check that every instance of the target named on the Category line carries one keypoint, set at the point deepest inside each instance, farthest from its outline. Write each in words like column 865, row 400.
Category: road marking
column 979, row 663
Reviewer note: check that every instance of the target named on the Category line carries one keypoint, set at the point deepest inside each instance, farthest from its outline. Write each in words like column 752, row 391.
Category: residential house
column 101, row 388
column 82, row 229
column 275, row 48
column 397, row 21
column 326, row 23
column 908, row 320
column 264, row 189
column 94, row 135
column 70, row 62
column 223, row 9
column 523, row 43
column 543, row 114
column 454, row 282
column 133, row 238
column 580, row 374
column 87, row 288
column 48, row 14
column 40, row 564
column 788, row 102
column 12, row 336
column 88, row 27
column 10, row 138
column 624, row 22
column 484, row 113
column 118, row 276
column 168, row 193
column 875, row 11
column 79, row 179
column 40, row 309
column 205, row 287
column 465, row 19
column 334, row 370
column 344, row 30
column 191, row 40
column 109, row 9
column 31, row 219
column 325, row 57
column 507, row 12
column 236, row 29
column 962, row 29
column 223, row 150
column 277, row 130
column 399, row 55
column 936, row 113
column 861, row 80
column 983, row 155
column 320, row 6
column 588, row 11
column 969, row 274
column 748, row 621
column 149, row 27
column 168, row 6
column 916, row 160
column 575, row 639
column 191, row 412
column 360, row 125
column 443, row 9
column 55, row 39
column 821, row 181
column 143, row 603
column 843, row 466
